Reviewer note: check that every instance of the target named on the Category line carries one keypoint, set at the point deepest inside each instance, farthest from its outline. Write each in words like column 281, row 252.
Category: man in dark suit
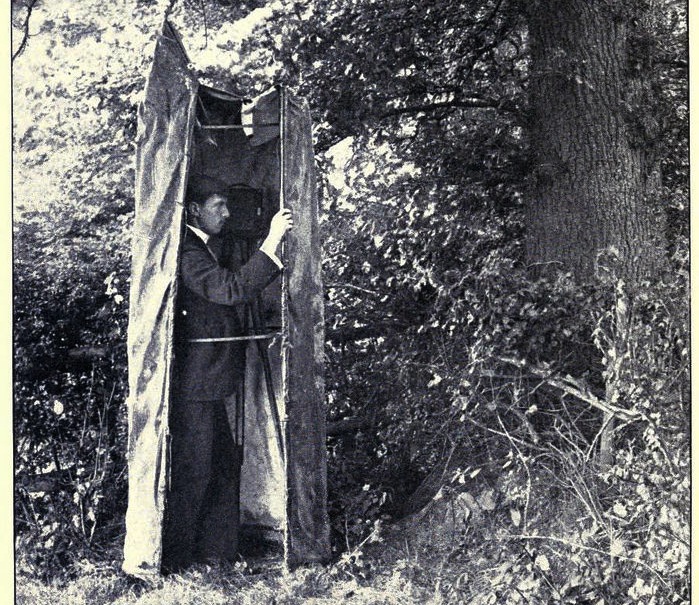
column 202, row 507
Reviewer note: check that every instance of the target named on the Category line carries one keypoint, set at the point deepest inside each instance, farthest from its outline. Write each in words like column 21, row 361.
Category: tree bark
column 593, row 180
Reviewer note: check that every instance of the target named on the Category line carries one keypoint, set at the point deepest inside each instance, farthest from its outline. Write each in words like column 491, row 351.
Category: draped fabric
column 282, row 489
column 307, row 535
column 165, row 122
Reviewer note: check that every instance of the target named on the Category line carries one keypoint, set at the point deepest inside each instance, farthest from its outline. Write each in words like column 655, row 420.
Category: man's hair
column 201, row 187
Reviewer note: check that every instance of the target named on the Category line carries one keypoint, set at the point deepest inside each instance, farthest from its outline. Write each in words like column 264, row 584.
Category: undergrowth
column 519, row 537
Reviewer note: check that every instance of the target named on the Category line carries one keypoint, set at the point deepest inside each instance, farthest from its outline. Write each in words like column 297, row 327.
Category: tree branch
column 347, row 334
column 473, row 103
column 44, row 482
column 577, row 389
column 169, row 8
column 346, row 425
column 25, row 30
column 87, row 353
column 353, row 287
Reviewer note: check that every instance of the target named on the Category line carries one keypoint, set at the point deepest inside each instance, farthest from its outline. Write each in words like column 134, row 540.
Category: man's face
column 212, row 214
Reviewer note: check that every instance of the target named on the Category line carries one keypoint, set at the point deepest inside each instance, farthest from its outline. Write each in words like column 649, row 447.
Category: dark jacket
column 209, row 301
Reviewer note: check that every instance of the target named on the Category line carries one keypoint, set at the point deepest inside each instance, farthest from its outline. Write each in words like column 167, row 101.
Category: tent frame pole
column 284, row 322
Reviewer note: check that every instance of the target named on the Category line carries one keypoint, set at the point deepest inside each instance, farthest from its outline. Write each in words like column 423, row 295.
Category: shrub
column 70, row 381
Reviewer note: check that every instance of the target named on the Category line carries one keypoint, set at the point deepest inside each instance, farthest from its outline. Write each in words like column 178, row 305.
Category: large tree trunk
column 593, row 181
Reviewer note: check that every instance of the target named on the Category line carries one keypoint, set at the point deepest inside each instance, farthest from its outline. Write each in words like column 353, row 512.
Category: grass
column 445, row 555
column 219, row 585
column 422, row 560
column 260, row 581
column 464, row 548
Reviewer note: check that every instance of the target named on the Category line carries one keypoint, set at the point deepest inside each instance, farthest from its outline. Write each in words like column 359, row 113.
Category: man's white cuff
column 274, row 257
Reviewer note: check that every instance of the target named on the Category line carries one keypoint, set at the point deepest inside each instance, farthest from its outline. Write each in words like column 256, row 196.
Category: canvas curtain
column 164, row 130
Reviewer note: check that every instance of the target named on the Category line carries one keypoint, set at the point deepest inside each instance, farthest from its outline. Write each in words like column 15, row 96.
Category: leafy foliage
column 70, row 373
column 462, row 371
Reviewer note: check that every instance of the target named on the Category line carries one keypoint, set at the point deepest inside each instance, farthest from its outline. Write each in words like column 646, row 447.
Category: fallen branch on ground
column 575, row 388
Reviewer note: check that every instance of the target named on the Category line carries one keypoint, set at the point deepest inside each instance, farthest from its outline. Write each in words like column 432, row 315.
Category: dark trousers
column 202, row 508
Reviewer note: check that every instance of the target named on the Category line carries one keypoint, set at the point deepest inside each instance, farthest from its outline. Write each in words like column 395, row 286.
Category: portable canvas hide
column 263, row 151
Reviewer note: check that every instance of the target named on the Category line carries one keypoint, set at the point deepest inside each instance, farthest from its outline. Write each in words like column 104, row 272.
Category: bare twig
column 526, row 469
column 506, row 435
column 576, row 481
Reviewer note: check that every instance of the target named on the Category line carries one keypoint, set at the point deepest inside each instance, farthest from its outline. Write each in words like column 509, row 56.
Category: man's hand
column 282, row 221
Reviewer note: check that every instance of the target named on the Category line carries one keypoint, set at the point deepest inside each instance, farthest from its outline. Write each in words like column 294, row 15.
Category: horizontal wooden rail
column 236, row 338
column 236, row 126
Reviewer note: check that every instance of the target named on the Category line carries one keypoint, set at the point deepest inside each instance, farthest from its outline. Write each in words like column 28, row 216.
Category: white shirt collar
column 203, row 236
